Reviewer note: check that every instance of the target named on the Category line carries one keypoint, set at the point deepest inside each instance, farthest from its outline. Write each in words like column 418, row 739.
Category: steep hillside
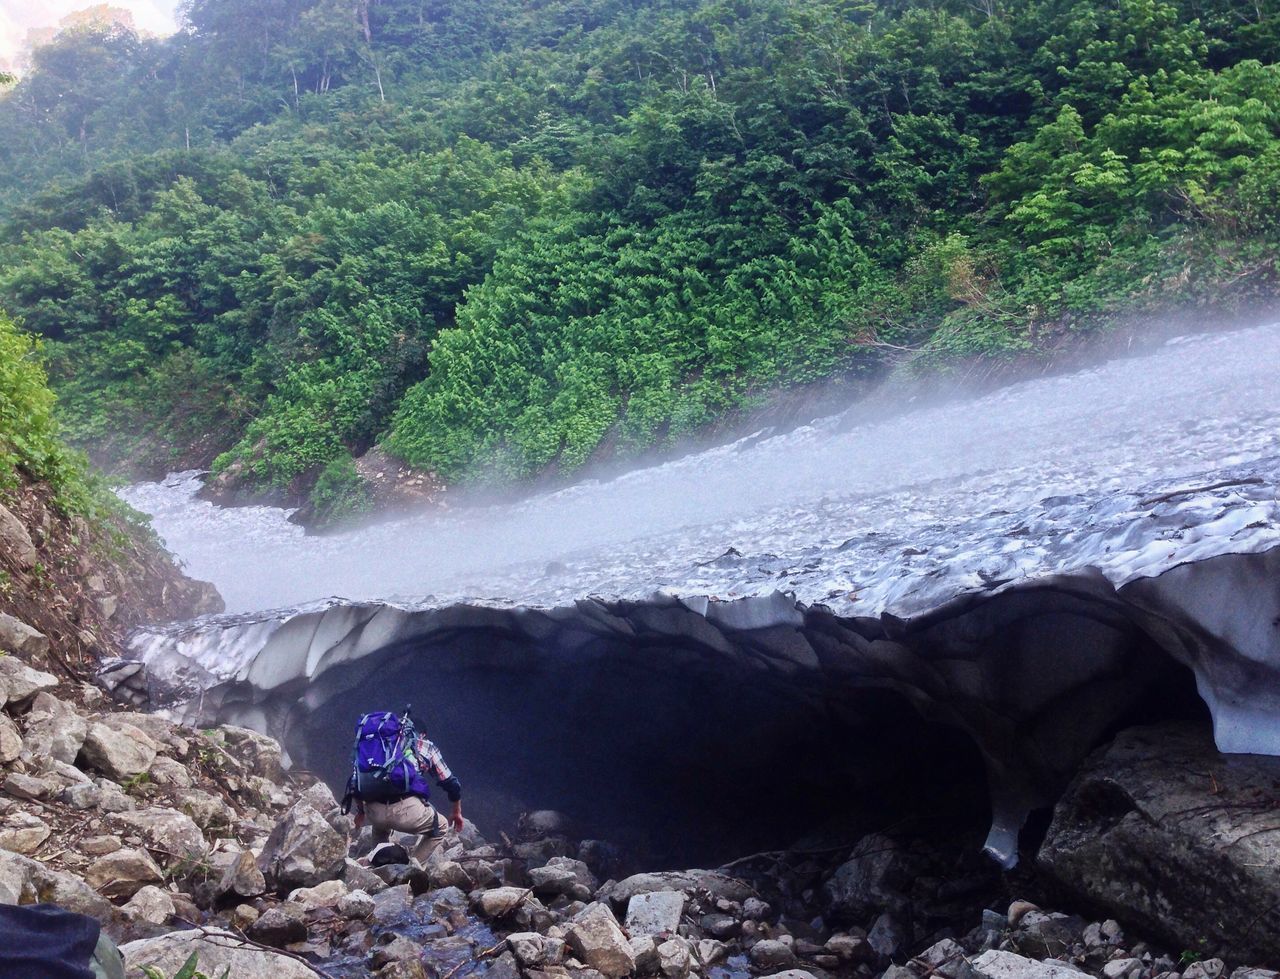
column 78, row 569
column 510, row 239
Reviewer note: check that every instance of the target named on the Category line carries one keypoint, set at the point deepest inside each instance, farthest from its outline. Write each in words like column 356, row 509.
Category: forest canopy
column 501, row 237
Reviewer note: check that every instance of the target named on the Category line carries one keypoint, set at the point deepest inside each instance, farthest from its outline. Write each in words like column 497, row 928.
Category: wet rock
column 173, row 837
column 404, row 969
column 770, row 954
column 242, row 878
column 169, row 952
column 396, row 949
column 123, row 873
column 278, row 927
column 118, row 752
column 303, row 850
column 10, row 740
column 655, row 913
column 152, row 904
column 15, row 541
column 54, row 729
column 596, row 939
column 19, row 682
column 1161, row 812
column 997, row 964
column 18, row 637
column 23, row 832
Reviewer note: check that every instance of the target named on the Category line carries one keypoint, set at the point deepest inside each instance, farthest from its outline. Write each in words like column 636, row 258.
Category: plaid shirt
column 432, row 763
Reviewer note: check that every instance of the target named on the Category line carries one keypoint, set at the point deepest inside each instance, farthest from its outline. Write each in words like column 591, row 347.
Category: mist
column 1196, row 404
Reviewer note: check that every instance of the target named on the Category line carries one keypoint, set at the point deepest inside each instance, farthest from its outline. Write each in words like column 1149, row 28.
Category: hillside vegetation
column 503, row 237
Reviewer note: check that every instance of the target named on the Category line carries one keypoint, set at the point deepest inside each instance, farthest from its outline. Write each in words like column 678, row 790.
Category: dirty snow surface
column 1132, row 467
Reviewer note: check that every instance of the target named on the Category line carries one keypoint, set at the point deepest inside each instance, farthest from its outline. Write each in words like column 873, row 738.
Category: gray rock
column 398, row 949
column 1129, row 969
column 674, row 958
column 946, row 959
column 996, row 964
column 279, row 927
column 527, row 947
column 689, row 881
column 888, row 936
column 754, row 909
column 19, row 682
column 23, row 786
column 81, row 796
column 171, row 836
column 169, row 952
column 770, row 954
column 326, row 895
column 16, row 542
column 596, row 939
column 27, row 881
column 708, row 951
column 18, row 637
column 119, row 752
column 360, row 878
column 259, row 754
column 303, row 850
column 123, row 873
column 876, row 878
column 1244, row 972
column 1047, row 935
column 54, row 729
column 242, row 878
column 1204, row 969
column 356, row 905
column 23, row 832
column 10, row 740
column 151, row 904
column 1143, row 821
column 793, row 974
column 500, row 902
column 655, row 913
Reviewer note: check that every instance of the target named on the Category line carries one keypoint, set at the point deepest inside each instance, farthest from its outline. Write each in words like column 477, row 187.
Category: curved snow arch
column 1036, row 673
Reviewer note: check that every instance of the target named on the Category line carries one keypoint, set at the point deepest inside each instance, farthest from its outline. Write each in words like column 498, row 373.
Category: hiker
column 389, row 786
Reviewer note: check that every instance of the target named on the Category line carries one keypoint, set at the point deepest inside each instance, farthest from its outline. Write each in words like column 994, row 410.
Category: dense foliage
column 503, row 237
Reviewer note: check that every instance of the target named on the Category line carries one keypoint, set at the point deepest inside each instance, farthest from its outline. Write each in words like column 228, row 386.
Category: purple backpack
column 386, row 767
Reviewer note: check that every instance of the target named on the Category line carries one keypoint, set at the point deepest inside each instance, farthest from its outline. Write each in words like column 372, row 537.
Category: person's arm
column 447, row 781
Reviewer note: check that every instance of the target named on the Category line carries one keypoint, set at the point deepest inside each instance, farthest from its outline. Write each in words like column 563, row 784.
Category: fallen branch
column 1247, row 481
column 241, row 939
column 475, row 958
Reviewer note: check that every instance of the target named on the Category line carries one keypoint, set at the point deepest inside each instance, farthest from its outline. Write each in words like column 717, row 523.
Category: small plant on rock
column 190, row 970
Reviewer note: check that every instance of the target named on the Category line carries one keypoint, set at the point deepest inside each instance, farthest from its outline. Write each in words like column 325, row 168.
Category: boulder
column 279, row 926
column 357, row 905
column 170, row 835
column 655, row 913
column 23, row 832
column 996, row 964
column 151, row 904
column 674, row 958
column 257, row 753
column 876, row 878
column 1168, row 834
column 216, row 951
column 27, row 881
column 123, row 873
column 16, row 542
column 18, row 637
column 54, row 729
column 498, row 902
column 598, row 941
column 770, row 954
column 689, row 881
column 325, row 895
column 10, row 740
column 19, row 682
column 23, row 786
column 303, row 850
column 242, row 878
column 119, row 751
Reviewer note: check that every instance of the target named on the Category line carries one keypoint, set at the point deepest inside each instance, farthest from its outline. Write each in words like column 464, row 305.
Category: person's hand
column 455, row 820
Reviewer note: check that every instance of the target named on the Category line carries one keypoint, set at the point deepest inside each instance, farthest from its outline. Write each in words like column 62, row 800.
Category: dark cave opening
column 673, row 756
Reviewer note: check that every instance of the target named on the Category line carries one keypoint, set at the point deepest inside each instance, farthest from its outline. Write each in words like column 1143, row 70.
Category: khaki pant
column 409, row 815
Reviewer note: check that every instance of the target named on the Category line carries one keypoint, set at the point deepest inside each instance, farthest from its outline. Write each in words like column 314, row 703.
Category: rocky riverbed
column 182, row 840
